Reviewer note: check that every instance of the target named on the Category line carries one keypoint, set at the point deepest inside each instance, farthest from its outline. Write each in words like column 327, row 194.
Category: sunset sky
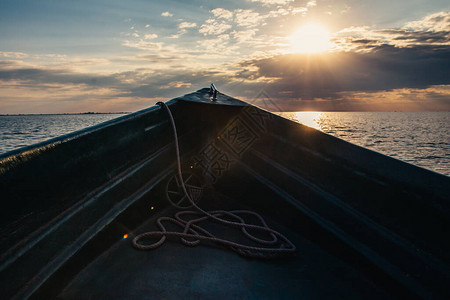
column 319, row 55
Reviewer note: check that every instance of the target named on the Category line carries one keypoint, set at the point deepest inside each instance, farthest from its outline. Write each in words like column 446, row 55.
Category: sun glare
column 310, row 38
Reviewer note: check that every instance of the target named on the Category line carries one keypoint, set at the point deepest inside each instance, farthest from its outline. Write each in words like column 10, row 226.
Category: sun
column 310, row 38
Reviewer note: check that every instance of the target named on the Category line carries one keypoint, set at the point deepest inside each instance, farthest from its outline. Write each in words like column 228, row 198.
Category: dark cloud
column 418, row 37
column 324, row 76
column 156, row 58
column 51, row 76
column 140, row 83
column 365, row 42
column 168, row 83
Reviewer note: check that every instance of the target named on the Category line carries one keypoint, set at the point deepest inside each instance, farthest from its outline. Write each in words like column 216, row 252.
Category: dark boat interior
column 365, row 226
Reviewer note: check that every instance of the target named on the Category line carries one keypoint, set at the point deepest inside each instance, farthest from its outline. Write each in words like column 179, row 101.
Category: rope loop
column 192, row 233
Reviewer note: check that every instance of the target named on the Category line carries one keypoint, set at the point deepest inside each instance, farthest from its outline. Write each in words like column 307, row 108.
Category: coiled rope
column 191, row 235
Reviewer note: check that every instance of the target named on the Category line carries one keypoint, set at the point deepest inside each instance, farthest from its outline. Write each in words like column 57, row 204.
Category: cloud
column 222, row 13
column 47, row 90
column 13, row 54
column 178, row 34
column 247, row 18
column 311, row 3
column 272, row 2
column 416, row 37
column 143, row 45
column 280, row 12
column 245, row 29
column 291, row 10
column 384, row 68
column 244, row 36
column 167, row 14
column 140, row 82
column 218, row 47
column 225, row 20
column 176, row 84
column 183, row 25
column 433, row 29
column 23, row 56
column 434, row 98
column 214, row 27
column 435, row 22
column 242, row 55
column 385, row 78
column 155, row 58
column 26, row 89
column 55, row 76
column 150, row 36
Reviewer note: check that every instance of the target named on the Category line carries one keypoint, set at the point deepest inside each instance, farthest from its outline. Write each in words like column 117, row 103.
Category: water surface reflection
column 420, row 138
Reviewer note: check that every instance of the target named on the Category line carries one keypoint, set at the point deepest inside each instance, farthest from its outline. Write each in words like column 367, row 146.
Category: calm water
column 420, row 138
column 24, row 130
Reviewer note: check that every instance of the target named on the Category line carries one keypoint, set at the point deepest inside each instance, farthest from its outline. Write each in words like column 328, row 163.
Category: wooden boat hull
column 365, row 225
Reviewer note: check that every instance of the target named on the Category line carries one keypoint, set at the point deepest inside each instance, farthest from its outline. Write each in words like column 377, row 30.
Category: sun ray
column 310, row 38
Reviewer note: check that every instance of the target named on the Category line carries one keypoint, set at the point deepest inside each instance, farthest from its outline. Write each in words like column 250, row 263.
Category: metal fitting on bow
column 213, row 91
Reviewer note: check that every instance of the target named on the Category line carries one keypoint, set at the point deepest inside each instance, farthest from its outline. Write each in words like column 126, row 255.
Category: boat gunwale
column 26, row 150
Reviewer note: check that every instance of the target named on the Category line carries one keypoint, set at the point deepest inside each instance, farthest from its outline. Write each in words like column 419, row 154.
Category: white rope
column 277, row 246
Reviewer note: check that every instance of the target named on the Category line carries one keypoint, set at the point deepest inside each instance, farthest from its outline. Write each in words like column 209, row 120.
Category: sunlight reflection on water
column 420, row 138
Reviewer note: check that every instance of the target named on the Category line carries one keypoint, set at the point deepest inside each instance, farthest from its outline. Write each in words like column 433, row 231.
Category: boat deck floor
column 175, row 271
